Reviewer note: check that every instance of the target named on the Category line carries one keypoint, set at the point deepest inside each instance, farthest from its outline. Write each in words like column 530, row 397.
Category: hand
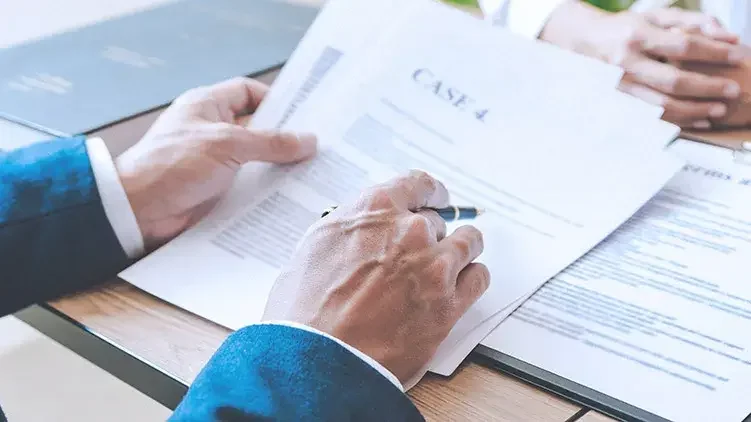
column 384, row 278
column 650, row 48
column 739, row 111
column 188, row 159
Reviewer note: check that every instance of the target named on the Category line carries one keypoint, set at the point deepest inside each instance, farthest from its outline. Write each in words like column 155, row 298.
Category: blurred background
column 613, row 5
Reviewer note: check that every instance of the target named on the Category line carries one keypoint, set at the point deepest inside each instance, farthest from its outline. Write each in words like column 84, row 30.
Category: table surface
column 180, row 343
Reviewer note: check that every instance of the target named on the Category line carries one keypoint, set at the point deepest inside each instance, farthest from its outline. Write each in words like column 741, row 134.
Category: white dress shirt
column 734, row 15
column 523, row 17
column 123, row 221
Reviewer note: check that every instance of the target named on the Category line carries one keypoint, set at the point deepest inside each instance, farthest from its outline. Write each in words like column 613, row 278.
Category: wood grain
column 181, row 343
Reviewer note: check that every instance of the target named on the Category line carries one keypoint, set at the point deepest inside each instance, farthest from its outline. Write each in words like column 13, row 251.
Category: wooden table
column 178, row 343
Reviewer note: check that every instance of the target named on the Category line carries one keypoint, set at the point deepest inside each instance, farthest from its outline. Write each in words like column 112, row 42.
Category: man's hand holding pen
column 383, row 276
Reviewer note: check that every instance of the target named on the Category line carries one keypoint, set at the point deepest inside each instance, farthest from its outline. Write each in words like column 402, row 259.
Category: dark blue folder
column 86, row 79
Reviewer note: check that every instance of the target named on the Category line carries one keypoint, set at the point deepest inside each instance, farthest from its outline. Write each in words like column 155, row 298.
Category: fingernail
column 718, row 110
column 732, row 90
column 308, row 143
column 702, row 124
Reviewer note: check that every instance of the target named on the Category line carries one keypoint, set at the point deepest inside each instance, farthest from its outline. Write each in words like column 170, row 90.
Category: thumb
column 270, row 146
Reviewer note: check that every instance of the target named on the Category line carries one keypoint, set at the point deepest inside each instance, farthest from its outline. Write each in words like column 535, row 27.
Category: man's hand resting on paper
column 383, row 277
column 188, row 159
column 651, row 47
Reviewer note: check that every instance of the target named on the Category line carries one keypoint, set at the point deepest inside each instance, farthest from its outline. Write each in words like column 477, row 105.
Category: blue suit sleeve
column 280, row 373
column 55, row 237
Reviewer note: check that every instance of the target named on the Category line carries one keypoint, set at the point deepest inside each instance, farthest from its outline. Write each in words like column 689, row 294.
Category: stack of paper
column 538, row 136
column 658, row 316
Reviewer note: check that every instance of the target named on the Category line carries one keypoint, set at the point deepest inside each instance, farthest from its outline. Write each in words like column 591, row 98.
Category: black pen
column 449, row 214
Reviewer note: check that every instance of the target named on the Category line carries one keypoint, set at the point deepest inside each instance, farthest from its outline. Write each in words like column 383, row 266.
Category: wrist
column 136, row 188
column 114, row 199
column 571, row 26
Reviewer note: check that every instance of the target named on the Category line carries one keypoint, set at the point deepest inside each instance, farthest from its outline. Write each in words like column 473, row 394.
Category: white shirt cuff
column 114, row 200
column 523, row 17
column 370, row 361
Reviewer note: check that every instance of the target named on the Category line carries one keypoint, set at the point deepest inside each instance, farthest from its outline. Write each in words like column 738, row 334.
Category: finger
column 694, row 22
column 681, row 46
column 471, row 283
column 463, row 246
column 685, row 113
column 239, row 95
column 718, row 33
column 436, row 223
column 246, row 145
column 673, row 81
column 417, row 190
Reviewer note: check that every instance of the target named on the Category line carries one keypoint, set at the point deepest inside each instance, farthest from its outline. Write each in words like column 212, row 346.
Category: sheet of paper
column 343, row 32
column 448, row 357
column 452, row 352
column 499, row 129
column 349, row 31
column 666, row 299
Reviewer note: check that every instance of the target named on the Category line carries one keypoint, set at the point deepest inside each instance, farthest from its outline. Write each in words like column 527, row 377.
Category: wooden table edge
column 155, row 381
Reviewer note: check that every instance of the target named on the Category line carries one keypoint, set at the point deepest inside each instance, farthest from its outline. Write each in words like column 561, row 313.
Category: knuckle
column 686, row 44
column 442, row 267
column 635, row 37
column 471, row 242
column 627, row 59
column 418, row 175
column 463, row 247
column 423, row 179
column 378, row 198
column 418, row 226
column 676, row 81
column 669, row 104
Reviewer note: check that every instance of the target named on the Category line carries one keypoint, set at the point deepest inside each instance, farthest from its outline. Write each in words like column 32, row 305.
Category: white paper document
column 658, row 315
column 480, row 109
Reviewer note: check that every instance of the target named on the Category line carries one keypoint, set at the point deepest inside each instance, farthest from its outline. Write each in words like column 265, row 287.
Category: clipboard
column 738, row 142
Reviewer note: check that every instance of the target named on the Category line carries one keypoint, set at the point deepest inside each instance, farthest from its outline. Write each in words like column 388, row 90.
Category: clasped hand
column 657, row 50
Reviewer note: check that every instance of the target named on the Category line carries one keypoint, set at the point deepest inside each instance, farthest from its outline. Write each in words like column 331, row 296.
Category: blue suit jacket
column 55, row 239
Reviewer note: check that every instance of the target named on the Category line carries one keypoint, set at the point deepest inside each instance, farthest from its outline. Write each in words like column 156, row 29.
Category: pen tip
column 480, row 211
